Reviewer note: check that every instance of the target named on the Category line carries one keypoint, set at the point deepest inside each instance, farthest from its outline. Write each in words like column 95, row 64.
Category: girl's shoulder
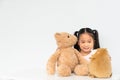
column 87, row 57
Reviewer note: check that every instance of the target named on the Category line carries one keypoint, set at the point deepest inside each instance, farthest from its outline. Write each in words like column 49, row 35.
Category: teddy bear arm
column 77, row 54
column 51, row 64
column 81, row 59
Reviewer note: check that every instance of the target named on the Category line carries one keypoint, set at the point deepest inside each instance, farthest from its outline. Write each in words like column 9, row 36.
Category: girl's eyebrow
column 85, row 39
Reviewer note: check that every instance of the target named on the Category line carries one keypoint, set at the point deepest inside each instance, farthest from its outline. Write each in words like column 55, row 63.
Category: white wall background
column 27, row 29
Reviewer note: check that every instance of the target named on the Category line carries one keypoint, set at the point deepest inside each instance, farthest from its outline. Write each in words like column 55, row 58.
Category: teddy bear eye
column 68, row 36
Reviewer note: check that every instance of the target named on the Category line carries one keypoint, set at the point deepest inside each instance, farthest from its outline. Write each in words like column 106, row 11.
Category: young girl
column 88, row 40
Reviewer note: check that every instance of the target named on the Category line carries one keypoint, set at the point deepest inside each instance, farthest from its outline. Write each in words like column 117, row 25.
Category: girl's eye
column 82, row 41
column 89, row 41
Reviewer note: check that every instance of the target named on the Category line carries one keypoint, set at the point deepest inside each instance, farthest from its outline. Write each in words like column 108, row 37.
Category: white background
column 27, row 30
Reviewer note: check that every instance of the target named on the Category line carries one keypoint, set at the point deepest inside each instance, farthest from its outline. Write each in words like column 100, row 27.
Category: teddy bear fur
column 66, row 59
column 100, row 64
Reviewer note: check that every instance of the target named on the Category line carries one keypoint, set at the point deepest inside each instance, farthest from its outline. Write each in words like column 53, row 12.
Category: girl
column 87, row 41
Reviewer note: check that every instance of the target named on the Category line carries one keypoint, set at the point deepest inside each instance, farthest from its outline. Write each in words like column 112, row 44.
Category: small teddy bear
column 100, row 64
column 66, row 59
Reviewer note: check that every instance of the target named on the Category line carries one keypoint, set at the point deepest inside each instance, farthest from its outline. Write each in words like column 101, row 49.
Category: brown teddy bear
column 100, row 64
column 66, row 59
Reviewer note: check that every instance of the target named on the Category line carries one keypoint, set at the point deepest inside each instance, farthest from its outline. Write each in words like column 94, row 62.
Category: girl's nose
column 86, row 44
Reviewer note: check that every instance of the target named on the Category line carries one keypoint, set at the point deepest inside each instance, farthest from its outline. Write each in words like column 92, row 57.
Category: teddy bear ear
column 57, row 34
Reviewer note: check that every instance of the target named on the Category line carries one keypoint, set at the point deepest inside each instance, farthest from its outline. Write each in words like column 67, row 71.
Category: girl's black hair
column 93, row 34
